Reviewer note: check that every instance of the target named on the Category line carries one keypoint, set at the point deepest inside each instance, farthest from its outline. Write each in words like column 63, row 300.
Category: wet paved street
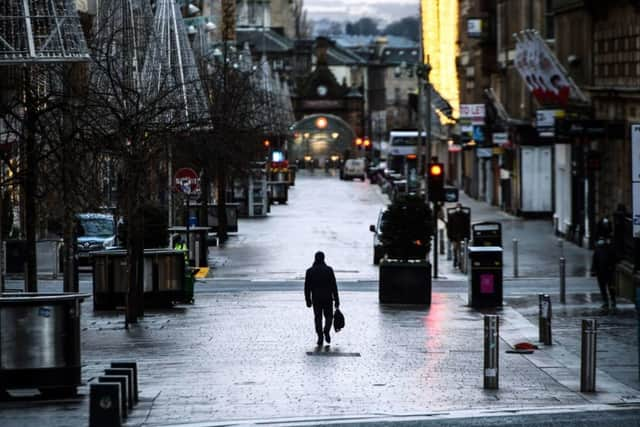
column 323, row 213
column 245, row 353
column 327, row 214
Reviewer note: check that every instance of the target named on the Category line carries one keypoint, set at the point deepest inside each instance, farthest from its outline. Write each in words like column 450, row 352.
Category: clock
column 321, row 90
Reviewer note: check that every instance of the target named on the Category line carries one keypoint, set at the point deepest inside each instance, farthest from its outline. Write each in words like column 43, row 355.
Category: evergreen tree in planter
column 407, row 227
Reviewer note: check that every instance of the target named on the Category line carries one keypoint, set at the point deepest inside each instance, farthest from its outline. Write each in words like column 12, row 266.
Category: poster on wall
column 635, row 177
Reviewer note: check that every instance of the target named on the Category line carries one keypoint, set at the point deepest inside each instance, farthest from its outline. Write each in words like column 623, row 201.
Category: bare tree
column 132, row 114
column 302, row 24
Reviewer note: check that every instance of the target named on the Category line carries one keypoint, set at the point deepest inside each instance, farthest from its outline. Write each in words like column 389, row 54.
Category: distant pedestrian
column 321, row 291
column 603, row 267
column 604, row 229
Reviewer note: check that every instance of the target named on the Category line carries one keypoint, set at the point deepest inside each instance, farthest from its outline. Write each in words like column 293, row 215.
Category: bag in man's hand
column 338, row 320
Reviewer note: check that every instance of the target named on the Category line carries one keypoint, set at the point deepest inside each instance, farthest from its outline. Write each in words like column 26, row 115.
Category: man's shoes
column 327, row 337
column 319, row 340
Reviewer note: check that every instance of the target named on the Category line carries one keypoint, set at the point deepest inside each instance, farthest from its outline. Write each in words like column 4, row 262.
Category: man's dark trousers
column 320, row 309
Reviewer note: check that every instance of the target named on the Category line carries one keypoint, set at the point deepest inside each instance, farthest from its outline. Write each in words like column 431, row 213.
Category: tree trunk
column 30, row 182
column 222, row 201
column 135, row 245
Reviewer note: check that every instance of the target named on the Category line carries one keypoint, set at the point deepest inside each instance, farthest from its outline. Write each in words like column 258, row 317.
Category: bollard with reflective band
column 515, row 257
column 588, row 356
column 563, row 282
column 491, row 351
column 544, row 319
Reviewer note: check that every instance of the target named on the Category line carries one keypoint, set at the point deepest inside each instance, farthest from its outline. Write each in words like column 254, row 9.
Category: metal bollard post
column 561, row 247
column 441, row 236
column 563, row 283
column 544, row 319
column 588, row 356
column 449, row 254
column 491, row 351
column 515, row 257
column 465, row 255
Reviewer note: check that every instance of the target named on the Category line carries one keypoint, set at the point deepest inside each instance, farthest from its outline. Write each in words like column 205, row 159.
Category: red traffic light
column 367, row 142
column 266, row 143
column 435, row 169
column 358, row 142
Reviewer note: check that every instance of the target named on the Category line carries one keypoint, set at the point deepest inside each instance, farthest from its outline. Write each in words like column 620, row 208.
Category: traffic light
column 436, row 182
column 359, row 143
column 366, row 143
column 266, row 143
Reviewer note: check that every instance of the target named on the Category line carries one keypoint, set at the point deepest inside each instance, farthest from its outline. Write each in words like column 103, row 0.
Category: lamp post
column 422, row 72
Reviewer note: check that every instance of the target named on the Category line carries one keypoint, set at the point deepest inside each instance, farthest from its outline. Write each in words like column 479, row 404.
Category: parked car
column 378, row 249
column 354, row 168
column 96, row 231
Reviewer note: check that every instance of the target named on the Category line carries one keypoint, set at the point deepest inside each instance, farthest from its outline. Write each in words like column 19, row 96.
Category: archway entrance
column 321, row 138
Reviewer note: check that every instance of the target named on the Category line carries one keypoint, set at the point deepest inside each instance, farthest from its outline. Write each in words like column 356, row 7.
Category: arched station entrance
column 319, row 138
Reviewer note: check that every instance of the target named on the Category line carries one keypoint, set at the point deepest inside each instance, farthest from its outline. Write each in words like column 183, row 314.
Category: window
column 549, row 31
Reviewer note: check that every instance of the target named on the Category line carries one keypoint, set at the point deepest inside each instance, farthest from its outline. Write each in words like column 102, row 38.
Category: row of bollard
column 587, row 353
column 114, row 395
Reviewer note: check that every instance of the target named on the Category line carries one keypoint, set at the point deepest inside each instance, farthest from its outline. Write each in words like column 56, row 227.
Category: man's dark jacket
column 320, row 285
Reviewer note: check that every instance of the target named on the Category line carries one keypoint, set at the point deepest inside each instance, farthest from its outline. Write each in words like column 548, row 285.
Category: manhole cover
column 332, row 354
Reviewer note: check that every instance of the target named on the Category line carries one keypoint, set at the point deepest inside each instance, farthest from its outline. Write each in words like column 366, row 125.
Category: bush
column 407, row 227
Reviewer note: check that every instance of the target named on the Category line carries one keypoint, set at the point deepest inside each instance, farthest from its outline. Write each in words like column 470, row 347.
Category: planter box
column 404, row 282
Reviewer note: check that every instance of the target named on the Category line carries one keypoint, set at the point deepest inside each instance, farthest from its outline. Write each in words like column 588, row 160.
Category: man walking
column 603, row 267
column 320, row 290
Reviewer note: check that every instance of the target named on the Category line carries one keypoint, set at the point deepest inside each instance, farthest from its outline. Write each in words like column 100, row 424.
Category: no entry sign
column 186, row 181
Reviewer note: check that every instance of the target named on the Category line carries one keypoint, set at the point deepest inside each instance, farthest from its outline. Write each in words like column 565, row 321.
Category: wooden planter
column 404, row 282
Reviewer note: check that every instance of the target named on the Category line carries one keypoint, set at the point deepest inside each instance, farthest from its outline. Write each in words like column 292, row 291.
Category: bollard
column 563, row 283
column 123, row 380
column 449, row 255
column 544, row 319
column 561, row 247
column 588, row 356
column 104, row 405
column 515, row 257
column 128, row 372
column 134, row 367
column 465, row 255
column 491, row 351
column 441, row 236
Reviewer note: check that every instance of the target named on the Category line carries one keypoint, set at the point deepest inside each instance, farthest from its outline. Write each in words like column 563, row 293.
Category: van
column 354, row 168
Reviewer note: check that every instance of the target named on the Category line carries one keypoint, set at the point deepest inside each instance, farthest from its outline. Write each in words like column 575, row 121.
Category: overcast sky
column 351, row 10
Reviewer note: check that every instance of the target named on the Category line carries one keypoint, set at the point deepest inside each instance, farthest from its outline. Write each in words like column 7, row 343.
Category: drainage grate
column 332, row 354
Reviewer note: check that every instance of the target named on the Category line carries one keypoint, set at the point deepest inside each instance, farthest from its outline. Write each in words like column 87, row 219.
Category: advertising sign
column 542, row 73
column 474, row 112
column 546, row 122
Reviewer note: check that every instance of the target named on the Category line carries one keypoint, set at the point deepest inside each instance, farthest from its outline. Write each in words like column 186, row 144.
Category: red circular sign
column 186, row 181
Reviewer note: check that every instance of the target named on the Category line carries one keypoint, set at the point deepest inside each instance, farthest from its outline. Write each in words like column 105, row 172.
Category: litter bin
column 162, row 278
column 40, row 342
column 485, row 276
column 486, row 234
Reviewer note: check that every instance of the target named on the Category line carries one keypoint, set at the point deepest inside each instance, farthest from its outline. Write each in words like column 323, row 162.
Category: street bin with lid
column 486, row 234
column 485, row 276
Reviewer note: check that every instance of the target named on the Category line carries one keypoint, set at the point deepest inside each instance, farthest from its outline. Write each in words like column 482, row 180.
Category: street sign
column 475, row 112
column 450, row 194
column 186, row 181
column 500, row 138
